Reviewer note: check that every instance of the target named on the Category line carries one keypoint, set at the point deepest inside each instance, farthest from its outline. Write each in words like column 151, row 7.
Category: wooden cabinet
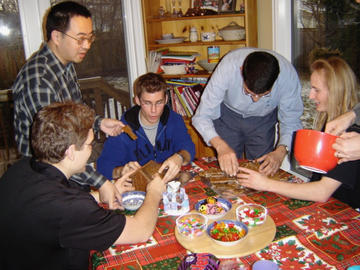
column 201, row 149
column 155, row 26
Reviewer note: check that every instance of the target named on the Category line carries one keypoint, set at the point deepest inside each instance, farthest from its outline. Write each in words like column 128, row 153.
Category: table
column 309, row 235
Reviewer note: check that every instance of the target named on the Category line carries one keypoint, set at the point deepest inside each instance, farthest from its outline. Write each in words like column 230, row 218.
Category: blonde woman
column 334, row 90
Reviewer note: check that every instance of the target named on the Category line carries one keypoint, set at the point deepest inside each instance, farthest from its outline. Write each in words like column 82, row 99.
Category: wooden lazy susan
column 258, row 238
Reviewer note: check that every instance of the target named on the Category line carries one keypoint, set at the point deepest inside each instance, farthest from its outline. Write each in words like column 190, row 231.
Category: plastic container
column 265, row 265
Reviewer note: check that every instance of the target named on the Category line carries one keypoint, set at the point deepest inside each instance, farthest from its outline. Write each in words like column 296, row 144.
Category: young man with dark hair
column 162, row 134
column 49, row 76
column 54, row 221
column 248, row 93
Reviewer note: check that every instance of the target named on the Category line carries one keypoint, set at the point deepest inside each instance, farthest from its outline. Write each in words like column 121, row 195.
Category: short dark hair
column 59, row 125
column 150, row 83
column 260, row 70
column 59, row 16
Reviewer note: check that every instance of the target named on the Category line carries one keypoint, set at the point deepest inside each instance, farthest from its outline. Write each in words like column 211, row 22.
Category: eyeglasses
column 248, row 93
column 150, row 104
column 81, row 40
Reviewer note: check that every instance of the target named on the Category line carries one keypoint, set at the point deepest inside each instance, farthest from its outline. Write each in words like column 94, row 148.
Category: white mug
column 208, row 36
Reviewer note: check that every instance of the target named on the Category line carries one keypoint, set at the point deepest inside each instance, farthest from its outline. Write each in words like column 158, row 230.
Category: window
column 12, row 55
column 107, row 56
column 326, row 24
column 329, row 25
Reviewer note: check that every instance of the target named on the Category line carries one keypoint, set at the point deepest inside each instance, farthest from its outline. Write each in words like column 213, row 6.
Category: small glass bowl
column 237, row 225
column 251, row 214
column 191, row 225
column 223, row 203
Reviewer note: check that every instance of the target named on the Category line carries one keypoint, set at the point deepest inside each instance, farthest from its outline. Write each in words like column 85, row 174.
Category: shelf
column 165, row 19
column 199, row 43
column 200, row 73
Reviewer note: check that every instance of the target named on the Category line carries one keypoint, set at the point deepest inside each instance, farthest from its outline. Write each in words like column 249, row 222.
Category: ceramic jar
column 193, row 34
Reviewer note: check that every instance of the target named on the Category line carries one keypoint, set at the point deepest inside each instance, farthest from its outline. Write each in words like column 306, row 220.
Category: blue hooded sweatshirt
column 171, row 137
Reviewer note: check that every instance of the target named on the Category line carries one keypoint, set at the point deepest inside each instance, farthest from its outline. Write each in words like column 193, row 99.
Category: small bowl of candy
column 191, row 225
column 213, row 208
column 227, row 232
column 132, row 200
column 251, row 214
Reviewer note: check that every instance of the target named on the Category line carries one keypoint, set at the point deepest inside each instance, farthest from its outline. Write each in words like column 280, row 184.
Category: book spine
column 192, row 94
column 182, row 102
column 180, row 83
column 189, row 99
column 179, row 107
column 187, row 103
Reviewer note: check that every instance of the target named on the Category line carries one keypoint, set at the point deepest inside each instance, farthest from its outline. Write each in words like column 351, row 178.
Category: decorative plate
column 171, row 40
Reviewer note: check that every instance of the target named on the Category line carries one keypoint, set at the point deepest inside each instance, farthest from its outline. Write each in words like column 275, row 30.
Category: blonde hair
column 342, row 85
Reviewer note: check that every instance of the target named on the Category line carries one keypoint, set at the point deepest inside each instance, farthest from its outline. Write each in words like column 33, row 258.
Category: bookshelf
column 184, row 97
column 155, row 26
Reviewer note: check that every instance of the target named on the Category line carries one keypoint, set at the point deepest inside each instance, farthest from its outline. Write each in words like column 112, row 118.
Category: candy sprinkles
column 191, row 225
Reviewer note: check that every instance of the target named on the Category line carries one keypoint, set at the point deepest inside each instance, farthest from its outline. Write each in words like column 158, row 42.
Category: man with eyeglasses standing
column 161, row 134
column 250, row 91
column 49, row 76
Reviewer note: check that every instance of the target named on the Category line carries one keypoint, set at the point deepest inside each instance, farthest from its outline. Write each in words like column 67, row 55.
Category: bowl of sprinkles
column 213, row 208
column 191, row 225
column 227, row 232
column 251, row 214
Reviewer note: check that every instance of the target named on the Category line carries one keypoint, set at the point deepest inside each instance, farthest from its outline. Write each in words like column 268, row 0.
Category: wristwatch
column 182, row 158
column 286, row 148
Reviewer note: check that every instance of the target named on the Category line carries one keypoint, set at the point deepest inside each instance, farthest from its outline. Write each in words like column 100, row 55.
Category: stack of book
column 184, row 97
column 179, row 58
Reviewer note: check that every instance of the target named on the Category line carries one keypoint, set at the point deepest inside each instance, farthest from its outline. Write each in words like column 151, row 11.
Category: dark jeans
column 253, row 135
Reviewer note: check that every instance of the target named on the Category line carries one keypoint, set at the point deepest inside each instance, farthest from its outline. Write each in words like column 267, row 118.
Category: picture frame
column 227, row 6
column 206, row 4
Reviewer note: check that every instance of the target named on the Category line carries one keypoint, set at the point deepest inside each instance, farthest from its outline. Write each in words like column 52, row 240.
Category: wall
column 264, row 10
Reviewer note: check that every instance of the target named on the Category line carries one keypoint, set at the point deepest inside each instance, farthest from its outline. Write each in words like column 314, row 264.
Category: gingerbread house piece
column 141, row 177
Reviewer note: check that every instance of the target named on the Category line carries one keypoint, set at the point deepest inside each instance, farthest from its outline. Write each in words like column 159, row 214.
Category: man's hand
column 226, row 156
column 252, row 179
column 109, row 194
column 341, row 123
column 130, row 167
column 124, row 183
column 122, row 170
column 271, row 162
column 173, row 166
column 111, row 127
column 347, row 147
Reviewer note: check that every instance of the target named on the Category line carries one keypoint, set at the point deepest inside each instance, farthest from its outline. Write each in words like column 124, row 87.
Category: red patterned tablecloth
column 309, row 235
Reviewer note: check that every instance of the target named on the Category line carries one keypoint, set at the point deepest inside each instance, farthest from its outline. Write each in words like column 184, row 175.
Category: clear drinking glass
column 180, row 13
column 173, row 2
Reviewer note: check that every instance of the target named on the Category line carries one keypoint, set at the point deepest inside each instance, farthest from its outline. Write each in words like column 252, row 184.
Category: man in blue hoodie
column 162, row 134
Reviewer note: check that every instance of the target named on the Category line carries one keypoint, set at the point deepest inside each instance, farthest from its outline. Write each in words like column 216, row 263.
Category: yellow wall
column 264, row 15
